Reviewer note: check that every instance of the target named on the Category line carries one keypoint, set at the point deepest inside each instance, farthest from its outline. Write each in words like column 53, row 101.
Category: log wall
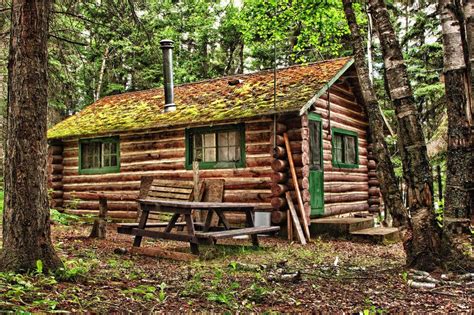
column 161, row 154
column 345, row 189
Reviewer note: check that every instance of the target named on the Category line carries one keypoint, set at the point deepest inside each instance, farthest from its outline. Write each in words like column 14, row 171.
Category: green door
column 316, row 187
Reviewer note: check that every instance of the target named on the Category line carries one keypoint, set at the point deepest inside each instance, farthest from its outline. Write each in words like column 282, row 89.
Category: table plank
column 237, row 232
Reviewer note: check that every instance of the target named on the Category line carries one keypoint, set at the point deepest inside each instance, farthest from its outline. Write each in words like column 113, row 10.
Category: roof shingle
column 205, row 101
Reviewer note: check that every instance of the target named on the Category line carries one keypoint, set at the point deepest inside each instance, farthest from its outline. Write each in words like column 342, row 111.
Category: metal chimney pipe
column 167, row 47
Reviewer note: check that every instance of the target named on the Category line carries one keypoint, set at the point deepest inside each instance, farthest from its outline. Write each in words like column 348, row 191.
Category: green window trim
column 344, row 133
column 189, row 134
column 99, row 170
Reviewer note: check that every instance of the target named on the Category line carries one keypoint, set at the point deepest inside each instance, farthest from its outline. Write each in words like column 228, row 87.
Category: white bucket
column 262, row 218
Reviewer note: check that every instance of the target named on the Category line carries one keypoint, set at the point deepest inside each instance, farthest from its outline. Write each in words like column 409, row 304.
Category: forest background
column 105, row 47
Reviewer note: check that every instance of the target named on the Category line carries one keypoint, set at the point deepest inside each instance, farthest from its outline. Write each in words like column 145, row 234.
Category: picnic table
column 195, row 233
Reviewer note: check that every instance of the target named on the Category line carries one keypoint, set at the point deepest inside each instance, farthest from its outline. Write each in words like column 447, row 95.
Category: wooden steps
column 354, row 228
column 379, row 235
column 340, row 227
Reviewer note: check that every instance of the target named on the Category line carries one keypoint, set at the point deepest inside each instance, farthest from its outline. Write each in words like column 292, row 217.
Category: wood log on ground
column 99, row 229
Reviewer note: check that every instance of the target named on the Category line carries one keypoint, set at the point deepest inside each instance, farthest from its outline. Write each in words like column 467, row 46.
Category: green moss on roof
column 202, row 102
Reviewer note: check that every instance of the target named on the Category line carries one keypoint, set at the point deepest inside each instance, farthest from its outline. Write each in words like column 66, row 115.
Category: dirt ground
column 326, row 275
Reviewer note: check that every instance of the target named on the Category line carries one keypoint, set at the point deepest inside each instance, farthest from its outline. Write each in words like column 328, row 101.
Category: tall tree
column 385, row 173
column 26, row 224
column 423, row 242
column 460, row 153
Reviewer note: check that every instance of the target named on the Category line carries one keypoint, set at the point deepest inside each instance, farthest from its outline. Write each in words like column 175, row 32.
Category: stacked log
column 55, row 175
column 374, row 186
column 161, row 153
column 281, row 179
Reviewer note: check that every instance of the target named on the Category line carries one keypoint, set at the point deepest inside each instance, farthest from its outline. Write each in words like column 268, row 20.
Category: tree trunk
column 423, row 242
column 101, row 73
column 385, row 174
column 26, row 225
column 459, row 176
column 469, row 16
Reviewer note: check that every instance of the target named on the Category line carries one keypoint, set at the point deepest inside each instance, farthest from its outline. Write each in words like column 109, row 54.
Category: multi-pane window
column 344, row 145
column 216, row 147
column 99, row 155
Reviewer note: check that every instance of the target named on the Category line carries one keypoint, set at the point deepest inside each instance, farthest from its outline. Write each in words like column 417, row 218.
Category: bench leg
column 143, row 218
column 190, row 226
column 250, row 223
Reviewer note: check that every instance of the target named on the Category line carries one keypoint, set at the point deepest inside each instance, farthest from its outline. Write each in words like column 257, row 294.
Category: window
column 216, row 147
column 101, row 155
column 344, row 148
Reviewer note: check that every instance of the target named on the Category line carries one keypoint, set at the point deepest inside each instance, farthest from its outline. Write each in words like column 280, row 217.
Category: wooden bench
column 237, row 232
column 160, row 189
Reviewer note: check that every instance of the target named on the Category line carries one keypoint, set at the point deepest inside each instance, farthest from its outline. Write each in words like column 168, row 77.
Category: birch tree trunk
column 385, row 174
column 423, row 241
column 460, row 160
column 26, row 225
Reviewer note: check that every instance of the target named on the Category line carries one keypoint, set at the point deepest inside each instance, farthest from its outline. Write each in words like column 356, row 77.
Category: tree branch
column 67, row 40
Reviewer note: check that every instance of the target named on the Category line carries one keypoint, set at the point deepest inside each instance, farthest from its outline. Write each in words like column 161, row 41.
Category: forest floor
column 325, row 275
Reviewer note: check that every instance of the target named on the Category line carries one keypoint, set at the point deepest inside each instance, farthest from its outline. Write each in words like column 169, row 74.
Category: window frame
column 344, row 133
column 99, row 170
column 189, row 138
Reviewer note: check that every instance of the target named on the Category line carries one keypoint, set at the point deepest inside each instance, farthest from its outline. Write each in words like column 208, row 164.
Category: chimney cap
column 167, row 43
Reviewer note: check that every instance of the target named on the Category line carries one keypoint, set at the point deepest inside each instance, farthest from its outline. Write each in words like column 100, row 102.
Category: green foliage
column 75, row 269
column 62, row 218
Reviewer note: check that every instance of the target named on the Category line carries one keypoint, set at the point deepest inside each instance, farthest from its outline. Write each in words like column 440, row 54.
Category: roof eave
column 326, row 86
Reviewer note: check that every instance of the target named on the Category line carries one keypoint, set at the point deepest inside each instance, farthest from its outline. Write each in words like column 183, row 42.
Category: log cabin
column 233, row 127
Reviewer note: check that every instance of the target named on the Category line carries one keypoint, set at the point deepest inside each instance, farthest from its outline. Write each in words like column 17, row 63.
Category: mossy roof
column 203, row 102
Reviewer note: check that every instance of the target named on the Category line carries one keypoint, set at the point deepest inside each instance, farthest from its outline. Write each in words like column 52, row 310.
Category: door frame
column 317, row 117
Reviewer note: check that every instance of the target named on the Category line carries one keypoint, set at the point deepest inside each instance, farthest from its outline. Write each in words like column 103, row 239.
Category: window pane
column 223, row 139
column 338, row 148
column 198, row 155
column 197, row 141
column 209, row 154
column 209, row 140
column 315, row 143
column 234, row 138
column 350, row 150
column 224, row 154
column 90, row 155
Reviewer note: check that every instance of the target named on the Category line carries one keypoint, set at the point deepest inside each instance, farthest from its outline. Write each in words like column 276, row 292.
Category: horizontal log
column 90, row 195
column 56, row 194
column 280, row 128
column 94, row 205
column 57, row 169
column 279, row 165
column 345, row 178
column 161, row 135
column 345, row 197
column 373, row 201
column 55, row 177
column 231, row 196
column 56, row 159
column 112, row 186
column 292, row 122
column 278, row 203
column 258, row 161
column 338, row 188
column 374, row 208
column 374, row 191
column 57, row 186
column 152, row 167
column 279, row 152
column 373, row 182
column 279, row 177
column 345, row 208
column 111, row 214
column 56, row 203
column 262, row 184
column 148, row 146
column 279, row 190
column 55, row 149
column 278, row 217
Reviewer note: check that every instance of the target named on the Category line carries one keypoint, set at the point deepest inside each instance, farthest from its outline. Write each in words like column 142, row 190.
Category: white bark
column 452, row 41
